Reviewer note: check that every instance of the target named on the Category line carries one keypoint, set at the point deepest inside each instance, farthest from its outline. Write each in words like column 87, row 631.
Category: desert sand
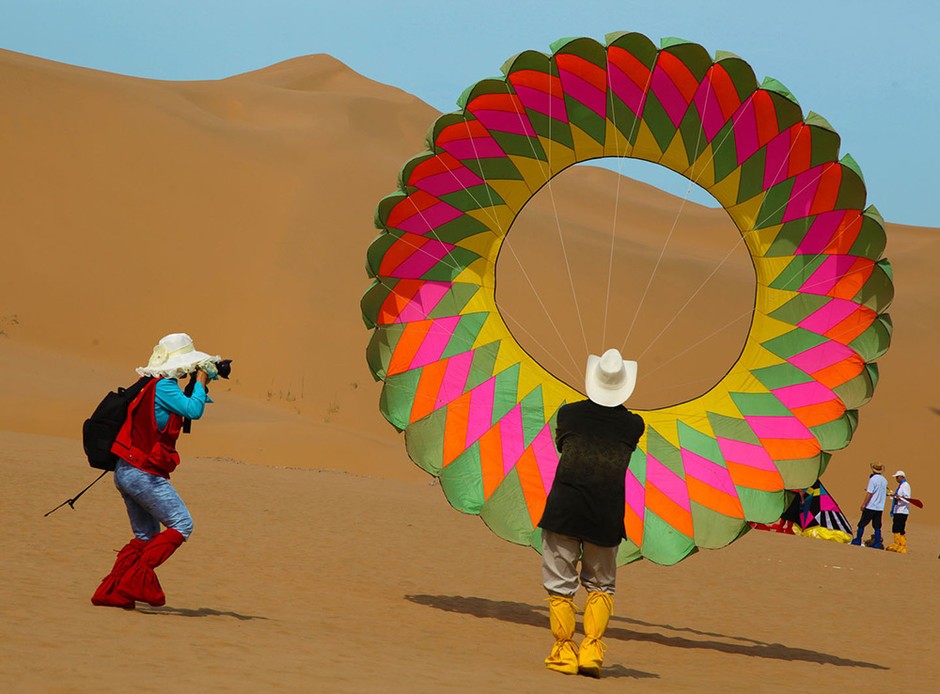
column 323, row 559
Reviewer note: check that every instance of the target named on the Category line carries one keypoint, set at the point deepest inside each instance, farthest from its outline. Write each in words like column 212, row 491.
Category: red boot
column 140, row 582
column 107, row 594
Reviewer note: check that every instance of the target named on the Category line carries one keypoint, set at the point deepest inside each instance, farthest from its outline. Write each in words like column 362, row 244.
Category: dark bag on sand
column 101, row 429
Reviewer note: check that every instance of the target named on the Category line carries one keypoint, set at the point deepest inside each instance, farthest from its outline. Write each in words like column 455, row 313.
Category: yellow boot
column 564, row 655
column 597, row 611
column 896, row 545
column 903, row 545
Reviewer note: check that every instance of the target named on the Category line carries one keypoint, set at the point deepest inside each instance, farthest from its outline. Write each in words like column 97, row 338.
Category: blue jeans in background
column 151, row 500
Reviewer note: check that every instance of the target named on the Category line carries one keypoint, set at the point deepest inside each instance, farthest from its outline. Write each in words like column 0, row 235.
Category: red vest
column 141, row 443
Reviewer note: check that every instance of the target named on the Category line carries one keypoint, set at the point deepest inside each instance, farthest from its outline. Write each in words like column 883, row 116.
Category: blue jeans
column 151, row 500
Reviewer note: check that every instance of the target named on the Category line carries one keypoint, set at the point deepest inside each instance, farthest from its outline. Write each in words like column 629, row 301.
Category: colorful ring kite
column 478, row 412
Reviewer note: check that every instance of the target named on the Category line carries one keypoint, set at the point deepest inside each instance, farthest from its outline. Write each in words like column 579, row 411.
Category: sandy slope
column 240, row 211
column 310, row 580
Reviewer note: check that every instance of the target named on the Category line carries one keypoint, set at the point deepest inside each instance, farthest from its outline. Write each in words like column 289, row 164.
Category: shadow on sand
column 521, row 613
column 167, row 610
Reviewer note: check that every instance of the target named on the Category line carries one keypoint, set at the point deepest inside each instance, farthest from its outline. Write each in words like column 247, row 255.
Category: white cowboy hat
column 899, row 473
column 174, row 356
column 609, row 379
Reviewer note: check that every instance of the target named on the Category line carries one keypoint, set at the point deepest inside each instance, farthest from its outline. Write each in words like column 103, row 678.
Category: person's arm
column 902, row 495
column 641, row 427
column 171, row 398
column 870, row 491
column 562, row 427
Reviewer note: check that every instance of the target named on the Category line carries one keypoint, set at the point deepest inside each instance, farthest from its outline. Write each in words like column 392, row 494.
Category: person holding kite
column 146, row 451
column 583, row 517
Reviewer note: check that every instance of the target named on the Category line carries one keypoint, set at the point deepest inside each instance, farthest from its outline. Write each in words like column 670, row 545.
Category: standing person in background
column 583, row 517
column 146, row 451
column 873, row 507
column 900, row 510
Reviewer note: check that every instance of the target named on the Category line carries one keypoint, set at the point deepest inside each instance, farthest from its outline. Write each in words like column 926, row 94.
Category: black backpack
column 101, row 429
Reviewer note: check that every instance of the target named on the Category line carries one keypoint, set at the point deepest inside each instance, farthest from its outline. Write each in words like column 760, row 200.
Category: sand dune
column 314, row 580
column 240, row 210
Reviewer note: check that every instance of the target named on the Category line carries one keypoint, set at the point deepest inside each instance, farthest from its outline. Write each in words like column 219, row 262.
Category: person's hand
column 202, row 377
column 211, row 370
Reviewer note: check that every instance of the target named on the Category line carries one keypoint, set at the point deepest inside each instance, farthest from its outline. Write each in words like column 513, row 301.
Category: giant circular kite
column 478, row 412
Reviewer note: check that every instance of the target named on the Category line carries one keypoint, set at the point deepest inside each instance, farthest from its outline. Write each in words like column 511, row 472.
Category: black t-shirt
column 587, row 497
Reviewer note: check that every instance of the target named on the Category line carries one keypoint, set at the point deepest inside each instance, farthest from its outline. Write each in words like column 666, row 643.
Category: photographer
column 146, row 450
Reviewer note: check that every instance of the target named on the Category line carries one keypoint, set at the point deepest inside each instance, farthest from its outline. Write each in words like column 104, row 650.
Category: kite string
column 490, row 211
column 543, row 306
column 693, row 346
column 454, row 265
column 542, row 165
column 433, row 328
column 422, row 250
column 620, row 161
column 551, row 192
column 564, row 252
column 432, row 230
column 675, row 221
column 505, row 236
column 833, row 335
column 837, row 237
column 476, row 155
column 743, row 234
column 650, row 280
column 708, row 279
column 532, row 337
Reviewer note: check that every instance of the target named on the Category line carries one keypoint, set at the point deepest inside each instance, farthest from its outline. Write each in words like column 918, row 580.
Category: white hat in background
column 609, row 379
column 899, row 473
column 174, row 356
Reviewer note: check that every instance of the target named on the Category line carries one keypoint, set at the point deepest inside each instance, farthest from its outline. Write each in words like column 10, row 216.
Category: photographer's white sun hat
column 609, row 379
column 174, row 356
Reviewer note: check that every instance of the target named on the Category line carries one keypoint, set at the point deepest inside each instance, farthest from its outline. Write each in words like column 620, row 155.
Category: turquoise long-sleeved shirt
column 169, row 398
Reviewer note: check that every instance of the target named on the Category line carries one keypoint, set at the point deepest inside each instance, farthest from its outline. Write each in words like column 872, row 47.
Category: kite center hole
column 687, row 259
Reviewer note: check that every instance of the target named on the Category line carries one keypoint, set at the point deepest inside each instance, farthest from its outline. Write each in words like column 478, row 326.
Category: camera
column 224, row 368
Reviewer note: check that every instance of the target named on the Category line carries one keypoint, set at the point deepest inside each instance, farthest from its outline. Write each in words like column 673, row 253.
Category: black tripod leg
column 71, row 502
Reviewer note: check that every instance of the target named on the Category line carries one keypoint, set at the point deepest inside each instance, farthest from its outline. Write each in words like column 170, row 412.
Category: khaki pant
column 560, row 555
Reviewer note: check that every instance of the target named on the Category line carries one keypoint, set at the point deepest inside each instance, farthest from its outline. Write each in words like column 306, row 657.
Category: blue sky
column 871, row 68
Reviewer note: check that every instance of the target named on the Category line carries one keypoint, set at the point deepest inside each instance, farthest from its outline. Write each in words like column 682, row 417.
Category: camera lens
column 224, row 368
